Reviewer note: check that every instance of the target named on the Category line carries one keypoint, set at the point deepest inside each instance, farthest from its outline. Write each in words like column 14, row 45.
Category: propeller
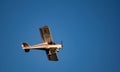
column 62, row 43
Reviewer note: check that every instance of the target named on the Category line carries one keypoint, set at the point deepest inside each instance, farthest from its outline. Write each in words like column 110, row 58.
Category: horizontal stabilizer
column 27, row 50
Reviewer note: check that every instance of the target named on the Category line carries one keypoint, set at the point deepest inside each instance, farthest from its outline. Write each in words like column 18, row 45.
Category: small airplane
column 48, row 45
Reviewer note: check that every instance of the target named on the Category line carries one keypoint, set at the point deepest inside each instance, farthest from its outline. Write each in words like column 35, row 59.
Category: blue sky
column 89, row 29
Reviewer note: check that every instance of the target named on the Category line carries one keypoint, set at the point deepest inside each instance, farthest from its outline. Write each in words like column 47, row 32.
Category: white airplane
column 48, row 45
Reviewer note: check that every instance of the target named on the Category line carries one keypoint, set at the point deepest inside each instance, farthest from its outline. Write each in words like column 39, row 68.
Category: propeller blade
column 62, row 43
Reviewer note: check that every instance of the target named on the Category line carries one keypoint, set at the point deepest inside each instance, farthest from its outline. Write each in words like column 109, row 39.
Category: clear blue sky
column 89, row 29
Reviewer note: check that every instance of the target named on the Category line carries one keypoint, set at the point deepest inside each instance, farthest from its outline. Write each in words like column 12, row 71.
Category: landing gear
column 51, row 51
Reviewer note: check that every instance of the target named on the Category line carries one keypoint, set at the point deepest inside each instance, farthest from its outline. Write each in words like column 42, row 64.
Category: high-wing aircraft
column 48, row 45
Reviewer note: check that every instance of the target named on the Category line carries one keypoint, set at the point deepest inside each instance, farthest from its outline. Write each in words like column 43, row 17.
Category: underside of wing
column 51, row 54
column 46, row 35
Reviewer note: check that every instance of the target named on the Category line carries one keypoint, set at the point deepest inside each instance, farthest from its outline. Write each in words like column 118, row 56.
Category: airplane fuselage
column 47, row 44
column 44, row 46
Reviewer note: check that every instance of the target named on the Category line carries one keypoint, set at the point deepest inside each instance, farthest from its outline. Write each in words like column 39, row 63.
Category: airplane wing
column 53, row 55
column 46, row 35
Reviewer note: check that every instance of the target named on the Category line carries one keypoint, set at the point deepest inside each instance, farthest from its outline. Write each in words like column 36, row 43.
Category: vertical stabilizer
column 25, row 47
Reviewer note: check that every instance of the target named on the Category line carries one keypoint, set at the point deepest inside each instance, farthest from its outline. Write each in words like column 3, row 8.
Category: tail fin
column 25, row 45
